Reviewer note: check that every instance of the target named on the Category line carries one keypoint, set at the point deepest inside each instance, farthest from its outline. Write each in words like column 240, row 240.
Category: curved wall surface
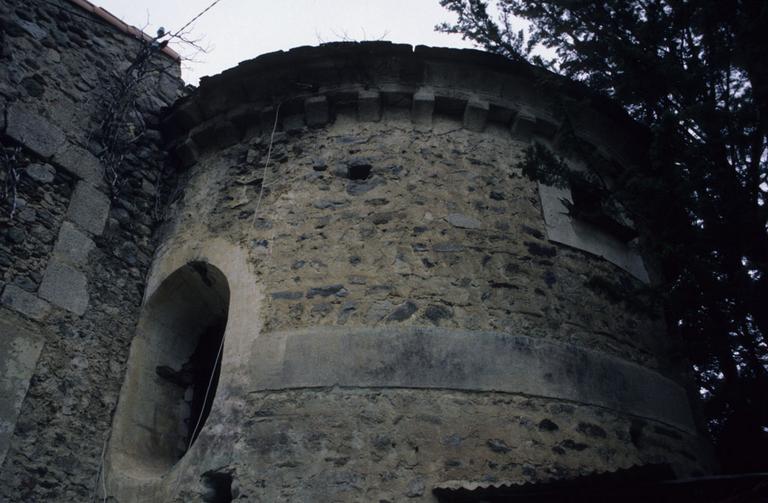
column 402, row 313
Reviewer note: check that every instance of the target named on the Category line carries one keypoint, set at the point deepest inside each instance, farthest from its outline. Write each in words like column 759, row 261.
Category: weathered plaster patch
column 19, row 350
column 561, row 228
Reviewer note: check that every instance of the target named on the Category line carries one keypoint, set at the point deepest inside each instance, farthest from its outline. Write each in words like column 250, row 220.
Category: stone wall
column 398, row 319
column 400, row 315
column 74, row 255
column 445, row 231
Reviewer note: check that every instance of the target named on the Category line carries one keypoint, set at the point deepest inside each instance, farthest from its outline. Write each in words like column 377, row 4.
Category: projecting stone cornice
column 311, row 84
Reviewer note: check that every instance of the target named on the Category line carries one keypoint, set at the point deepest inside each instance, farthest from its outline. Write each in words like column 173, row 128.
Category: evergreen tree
column 695, row 74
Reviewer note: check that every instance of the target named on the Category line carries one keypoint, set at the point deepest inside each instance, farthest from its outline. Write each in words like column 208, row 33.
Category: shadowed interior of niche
column 174, row 367
column 589, row 205
column 218, row 487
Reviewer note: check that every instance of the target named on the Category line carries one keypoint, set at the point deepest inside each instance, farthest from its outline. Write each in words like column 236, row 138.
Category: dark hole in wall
column 359, row 171
column 205, row 367
column 218, row 487
column 397, row 99
column 589, row 205
column 199, row 377
column 451, row 107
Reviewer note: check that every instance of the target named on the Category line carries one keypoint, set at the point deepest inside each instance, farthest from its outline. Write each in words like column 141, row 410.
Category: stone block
column 546, row 127
column 65, row 287
column 24, row 302
column 187, row 153
column 33, row 131
column 293, row 123
column 316, row 111
column 245, row 118
column 81, row 163
column 559, row 139
column 170, row 87
column 226, row 134
column 88, row 208
column 35, row 30
column 524, row 124
column 219, row 134
column 72, row 245
column 369, row 106
column 476, row 114
column 186, row 115
column 19, row 351
column 267, row 118
column 41, row 173
column 463, row 221
column 423, row 107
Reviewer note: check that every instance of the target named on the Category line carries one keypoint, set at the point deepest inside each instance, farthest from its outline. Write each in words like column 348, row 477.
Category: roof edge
column 118, row 23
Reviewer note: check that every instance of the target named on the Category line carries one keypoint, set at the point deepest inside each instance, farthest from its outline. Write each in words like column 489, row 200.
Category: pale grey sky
column 236, row 30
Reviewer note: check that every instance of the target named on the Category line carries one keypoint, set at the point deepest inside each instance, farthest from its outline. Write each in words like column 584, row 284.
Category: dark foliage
column 695, row 74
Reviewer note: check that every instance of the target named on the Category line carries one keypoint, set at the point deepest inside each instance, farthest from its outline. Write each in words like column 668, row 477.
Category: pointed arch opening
column 174, row 367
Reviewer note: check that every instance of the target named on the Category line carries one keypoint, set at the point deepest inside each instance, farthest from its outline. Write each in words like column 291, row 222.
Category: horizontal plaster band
column 433, row 358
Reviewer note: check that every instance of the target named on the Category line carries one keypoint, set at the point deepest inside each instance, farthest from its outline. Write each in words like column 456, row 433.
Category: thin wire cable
column 207, row 391
column 100, row 474
column 266, row 165
column 264, row 182
column 89, row 16
column 181, row 30
column 221, row 345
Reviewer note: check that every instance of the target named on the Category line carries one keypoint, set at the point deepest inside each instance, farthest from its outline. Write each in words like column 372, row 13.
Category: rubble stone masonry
column 322, row 276
column 74, row 256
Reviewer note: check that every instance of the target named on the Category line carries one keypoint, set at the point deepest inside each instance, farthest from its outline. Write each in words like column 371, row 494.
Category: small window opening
column 590, row 204
column 198, row 377
column 174, row 368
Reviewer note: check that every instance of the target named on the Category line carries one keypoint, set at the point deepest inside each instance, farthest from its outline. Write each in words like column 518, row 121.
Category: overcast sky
column 236, row 30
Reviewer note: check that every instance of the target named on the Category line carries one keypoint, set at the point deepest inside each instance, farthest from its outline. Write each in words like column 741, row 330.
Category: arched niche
column 173, row 369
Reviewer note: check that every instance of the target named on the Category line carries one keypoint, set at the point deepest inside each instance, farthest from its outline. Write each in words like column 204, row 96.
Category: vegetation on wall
column 695, row 74
column 120, row 124
column 10, row 171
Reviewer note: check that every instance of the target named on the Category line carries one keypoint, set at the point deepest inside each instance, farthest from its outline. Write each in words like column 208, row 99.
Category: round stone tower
column 359, row 297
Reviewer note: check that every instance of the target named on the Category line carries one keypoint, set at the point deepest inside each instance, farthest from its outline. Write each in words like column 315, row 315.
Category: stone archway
column 173, row 369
